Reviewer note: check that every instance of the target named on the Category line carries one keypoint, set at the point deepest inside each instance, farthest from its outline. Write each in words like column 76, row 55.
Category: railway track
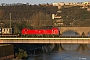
column 32, row 36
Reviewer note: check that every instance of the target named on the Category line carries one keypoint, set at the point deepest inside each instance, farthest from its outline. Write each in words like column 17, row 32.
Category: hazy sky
column 39, row 1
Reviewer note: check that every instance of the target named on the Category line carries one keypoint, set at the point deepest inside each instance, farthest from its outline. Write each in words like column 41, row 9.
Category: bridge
column 78, row 30
column 46, row 40
column 56, row 42
column 59, row 39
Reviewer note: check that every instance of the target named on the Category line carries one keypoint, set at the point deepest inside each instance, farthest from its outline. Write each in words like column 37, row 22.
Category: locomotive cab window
column 25, row 30
column 53, row 31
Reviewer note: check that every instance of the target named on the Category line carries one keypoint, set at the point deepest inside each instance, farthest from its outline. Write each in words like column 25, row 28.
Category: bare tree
column 41, row 19
column 1, row 13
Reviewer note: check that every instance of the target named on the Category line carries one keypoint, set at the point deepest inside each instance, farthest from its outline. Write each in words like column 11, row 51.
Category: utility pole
column 10, row 20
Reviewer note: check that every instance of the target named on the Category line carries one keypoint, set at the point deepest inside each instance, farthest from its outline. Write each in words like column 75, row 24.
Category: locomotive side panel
column 43, row 31
column 48, row 31
column 32, row 32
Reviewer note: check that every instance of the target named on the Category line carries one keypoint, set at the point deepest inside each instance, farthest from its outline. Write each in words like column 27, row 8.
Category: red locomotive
column 9, row 32
column 53, row 31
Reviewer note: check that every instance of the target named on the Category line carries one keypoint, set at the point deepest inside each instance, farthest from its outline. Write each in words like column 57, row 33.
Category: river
column 70, row 52
column 64, row 55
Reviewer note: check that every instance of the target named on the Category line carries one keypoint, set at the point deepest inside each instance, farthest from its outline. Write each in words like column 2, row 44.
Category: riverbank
column 7, row 51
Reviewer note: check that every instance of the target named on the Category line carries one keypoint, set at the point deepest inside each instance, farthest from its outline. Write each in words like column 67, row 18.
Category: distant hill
column 76, row 15
column 24, row 12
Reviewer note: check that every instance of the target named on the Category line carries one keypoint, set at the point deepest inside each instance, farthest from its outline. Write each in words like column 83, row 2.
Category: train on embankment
column 4, row 32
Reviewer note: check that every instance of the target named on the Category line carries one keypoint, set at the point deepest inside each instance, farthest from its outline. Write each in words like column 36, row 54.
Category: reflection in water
column 66, row 55
column 69, row 54
column 70, row 46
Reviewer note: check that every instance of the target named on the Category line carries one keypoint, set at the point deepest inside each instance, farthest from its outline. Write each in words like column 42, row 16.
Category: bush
column 22, row 54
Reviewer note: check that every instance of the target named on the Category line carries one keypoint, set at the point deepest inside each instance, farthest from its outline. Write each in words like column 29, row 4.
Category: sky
column 39, row 1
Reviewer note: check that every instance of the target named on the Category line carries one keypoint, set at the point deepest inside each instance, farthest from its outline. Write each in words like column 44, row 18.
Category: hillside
column 76, row 15
column 21, row 12
column 38, row 16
